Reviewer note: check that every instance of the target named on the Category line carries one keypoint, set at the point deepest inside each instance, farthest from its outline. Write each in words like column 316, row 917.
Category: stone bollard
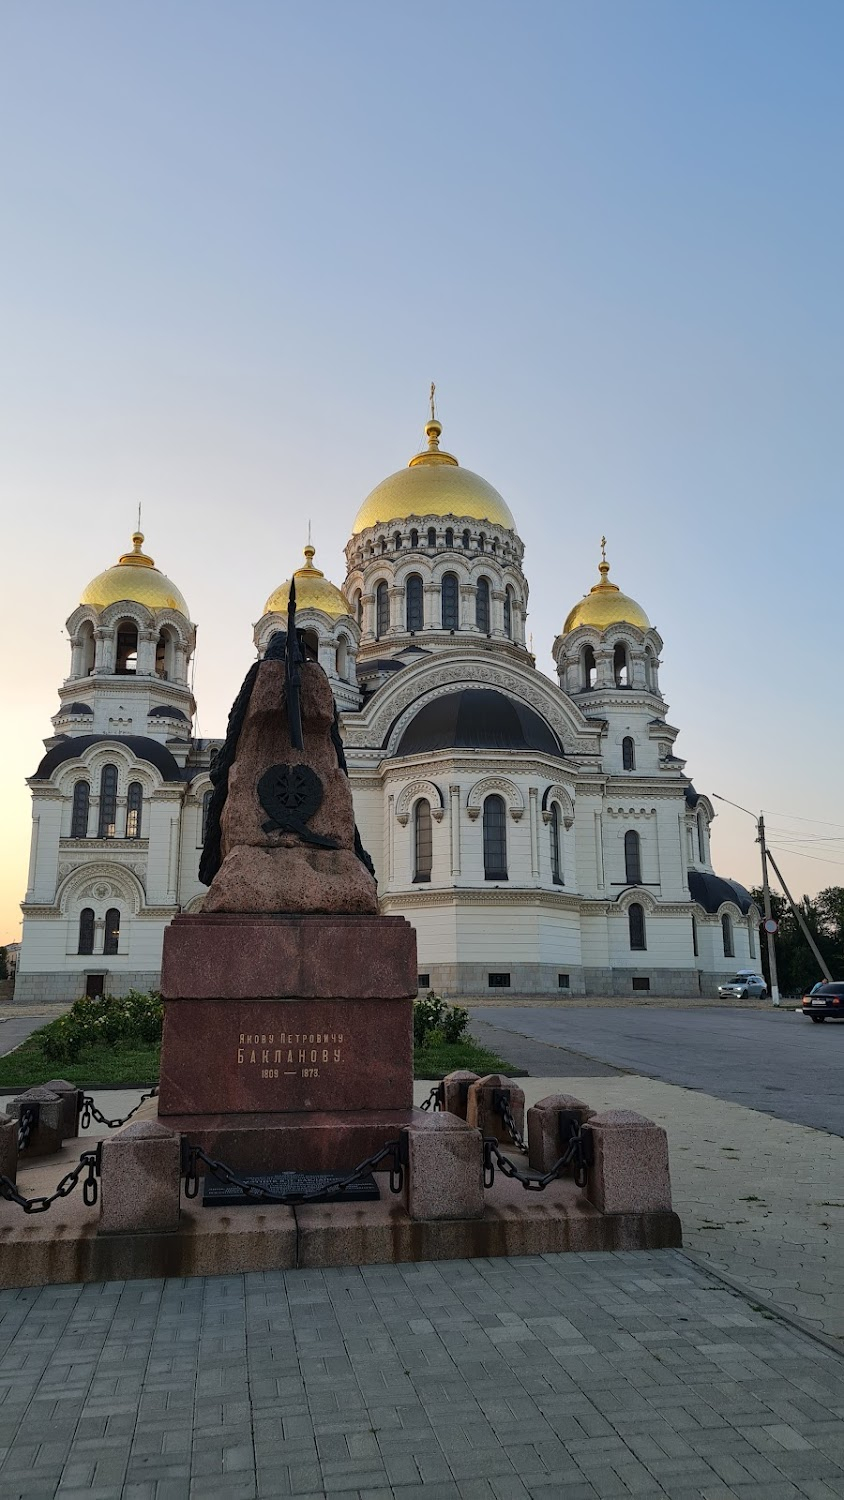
column 629, row 1174
column 445, row 1178
column 71, row 1097
column 8, row 1148
column 543, row 1128
column 140, row 1180
column 46, row 1134
column 456, row 1092
column 480, row 1110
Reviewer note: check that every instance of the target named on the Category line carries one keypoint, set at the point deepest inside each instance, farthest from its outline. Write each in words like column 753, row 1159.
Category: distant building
column 542, row 837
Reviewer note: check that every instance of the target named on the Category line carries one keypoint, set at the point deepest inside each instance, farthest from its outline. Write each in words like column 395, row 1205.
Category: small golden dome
column 605, row 604
column 313, row 591
column 135, row 577
column 433, row 484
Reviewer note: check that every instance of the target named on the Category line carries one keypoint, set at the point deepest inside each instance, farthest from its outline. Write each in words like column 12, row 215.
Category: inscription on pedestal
column 289, row 1054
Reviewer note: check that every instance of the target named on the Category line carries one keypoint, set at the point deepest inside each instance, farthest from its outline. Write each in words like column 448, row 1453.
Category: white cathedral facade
column 542, row 837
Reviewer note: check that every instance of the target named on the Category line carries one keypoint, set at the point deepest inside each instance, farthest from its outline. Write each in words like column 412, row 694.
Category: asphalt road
column 774, row 1061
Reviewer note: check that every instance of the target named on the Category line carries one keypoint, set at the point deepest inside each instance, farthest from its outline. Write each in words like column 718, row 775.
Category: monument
column 288, row 1000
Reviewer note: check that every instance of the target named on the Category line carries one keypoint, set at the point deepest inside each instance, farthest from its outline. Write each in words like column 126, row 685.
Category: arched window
column 206, row 808
column 414, row 538
column 751, row 938
column 111, row 936
column 397, row 541
column 628, row 753
column 450, row 596
column 727, row 934
column 482, row 605
column 383, row 545
column 108, row 803
column 636, row 921
column 650, row 669
column 467, row 540
column 86, row 930
column 590, row 670
column 494, row 545
column 126, row 662
column 310, row 645
column 619, row 665
column 423, row 846
column 165, row 654
column 694, row 936
column 382, row 610
column 432, row 536
column 449, row 536
column 79, row 817
column 134, row 804
column 341, row 657
column 87, row 648
column 482, row 542
column 413, row 602
column 701, row 839
column 554, row 831
column 495, row 839
column 508, row 613
column 632, row 858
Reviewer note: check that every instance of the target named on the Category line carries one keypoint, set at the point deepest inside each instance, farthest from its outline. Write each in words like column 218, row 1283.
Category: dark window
column 751, row 938
column 414, row 538
column 108, row 803
column 383, row 545
column 414, row 598
column 508, row 614
column 495, row 839
column 554, row 831
column 694, row 937
column 450, row 601
column 641, row 984
column 632, row 858
column 423, row 849
column 563, row 982
column 79, row 818
column 206, row 807
column 619, row 665
column 481, row 542
column 86, row 930
column 94, row 986
column 432, row 536
column 628, row 754
column 727, row 933
column 423, row 981
column 467, row 540
column 134, row 804
column 112, row 930
column 701, row 841
column 382, row 610
column 127, row 649
column 397, row 541
column 359, row 607
column 590, row 671
column 449, row 536
column 482, row 605
column 494, row 545
column 499, row 981
column 636, row 919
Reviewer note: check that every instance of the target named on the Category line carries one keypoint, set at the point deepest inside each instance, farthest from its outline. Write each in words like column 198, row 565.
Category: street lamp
column 766, row 892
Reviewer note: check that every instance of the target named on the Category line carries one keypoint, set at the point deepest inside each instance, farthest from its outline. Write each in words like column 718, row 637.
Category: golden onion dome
column 135, row 577
column 313, row 591
column 605, row 604
column 433, row 484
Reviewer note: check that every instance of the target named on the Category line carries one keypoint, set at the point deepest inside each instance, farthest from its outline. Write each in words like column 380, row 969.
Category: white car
column 745, row 985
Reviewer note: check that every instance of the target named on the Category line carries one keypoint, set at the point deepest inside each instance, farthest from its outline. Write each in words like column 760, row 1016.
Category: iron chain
column 192, row 1155
column 501, row 1105
column 89, row 1162
column 434, row 1099
column 578, row 1153
column 90, row 1111
column 26, row 1124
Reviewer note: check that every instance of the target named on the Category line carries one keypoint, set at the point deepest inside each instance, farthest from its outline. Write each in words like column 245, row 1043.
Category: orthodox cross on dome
column 603, row 548
column 433, row 409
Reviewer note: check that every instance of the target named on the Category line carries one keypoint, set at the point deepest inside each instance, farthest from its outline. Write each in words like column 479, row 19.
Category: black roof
column 477, row 719
column 692, row 797
column 163, row 712
column 381, row 664
column 140, row 745
column 77, row 708
column 711, row 891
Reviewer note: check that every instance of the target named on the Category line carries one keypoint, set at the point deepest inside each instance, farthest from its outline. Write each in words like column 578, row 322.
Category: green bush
column 104, row 1020
column 435, row 1020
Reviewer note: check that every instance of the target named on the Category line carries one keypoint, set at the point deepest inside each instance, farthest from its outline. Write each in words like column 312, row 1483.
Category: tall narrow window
column 86, row 930
column 508, row 614
column 79, row 817
column 111, row 937
column 482, row 605
column 382, row 610
column 751, row 938
column 127, row 648
column 636, row 921
column 481, row 542
column 206, row 808
column 413, row 602
column 397, row 541
column 467, row 540
column 359, row 608
column 134, row 804
column 554, row 831
column 383, row 545
column 449, row 536
column 432, row 536
column 590, row 670
column 632, row 858
column 495, row 839
column 694, row 936
column 414, row 538
column 727, row 934
column 450, row 601
column 423, row 846
column 701, row 840
column 108, row 803
column 628, row 754
column 619, row 665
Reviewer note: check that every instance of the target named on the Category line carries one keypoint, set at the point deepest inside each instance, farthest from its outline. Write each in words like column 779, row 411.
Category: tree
column 797, row 967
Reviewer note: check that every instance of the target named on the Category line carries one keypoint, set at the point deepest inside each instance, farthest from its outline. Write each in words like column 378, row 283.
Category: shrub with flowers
column 104, row 1020
column 434, row 1020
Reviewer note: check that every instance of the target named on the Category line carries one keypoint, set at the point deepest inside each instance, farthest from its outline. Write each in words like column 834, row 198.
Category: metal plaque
column 228, row 1195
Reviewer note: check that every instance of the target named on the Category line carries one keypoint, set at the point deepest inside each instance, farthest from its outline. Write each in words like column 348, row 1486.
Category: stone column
column 391, row 838
column 534, row 832
column 102, row 640
column 147, row 640
column 327, row 657
column 496, row 611
column 140, row 1182
column 454, row 810
column 630, row 1170
column 432, row 616
column 604, row 667
column 368, row 627
column 467, row 606
column 396, row 606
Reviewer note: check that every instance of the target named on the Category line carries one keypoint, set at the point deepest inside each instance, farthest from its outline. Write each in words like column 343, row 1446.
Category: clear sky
column 237, row 242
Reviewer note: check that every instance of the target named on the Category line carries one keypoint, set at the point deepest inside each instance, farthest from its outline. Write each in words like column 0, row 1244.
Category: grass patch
column 112, row 1066
column 435, row 1058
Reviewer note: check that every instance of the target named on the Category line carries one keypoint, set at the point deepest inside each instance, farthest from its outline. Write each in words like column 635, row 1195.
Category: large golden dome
column 606, row 605
column 313, row 591
column 135, row 576
column 433, row 484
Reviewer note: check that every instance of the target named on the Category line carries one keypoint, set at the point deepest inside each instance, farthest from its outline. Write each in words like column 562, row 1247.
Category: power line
column 796, row 817
column 839, row 864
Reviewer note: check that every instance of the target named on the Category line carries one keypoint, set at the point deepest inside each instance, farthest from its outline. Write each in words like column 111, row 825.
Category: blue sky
column 239, row 241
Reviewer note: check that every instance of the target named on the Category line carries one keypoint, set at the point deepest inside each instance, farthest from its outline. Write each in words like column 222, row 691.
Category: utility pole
column 766, row 893
column 822, row 965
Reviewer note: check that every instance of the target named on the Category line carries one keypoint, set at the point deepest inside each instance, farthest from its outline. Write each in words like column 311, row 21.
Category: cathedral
column 541, row 836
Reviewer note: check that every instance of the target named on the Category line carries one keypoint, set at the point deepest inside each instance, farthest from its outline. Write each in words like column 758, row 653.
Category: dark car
column 825, row 1000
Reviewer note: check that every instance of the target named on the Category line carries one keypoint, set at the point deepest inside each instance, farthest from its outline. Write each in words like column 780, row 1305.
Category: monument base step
column 322, row 1141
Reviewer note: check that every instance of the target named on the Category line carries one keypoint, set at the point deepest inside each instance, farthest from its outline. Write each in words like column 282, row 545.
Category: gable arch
column 501, row 786
column 558, row 793
column 101, row 883
column 127, row 609
column 412, row 793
